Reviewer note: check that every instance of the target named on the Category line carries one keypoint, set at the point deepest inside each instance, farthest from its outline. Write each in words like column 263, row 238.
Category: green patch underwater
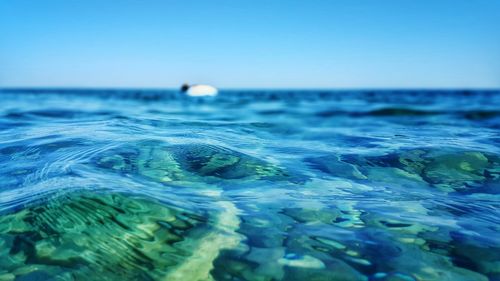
column 89, row 236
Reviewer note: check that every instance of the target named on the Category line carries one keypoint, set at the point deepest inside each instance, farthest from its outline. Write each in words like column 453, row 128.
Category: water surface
column 249, row 185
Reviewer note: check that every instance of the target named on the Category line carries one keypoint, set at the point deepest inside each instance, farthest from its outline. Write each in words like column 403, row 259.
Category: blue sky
column 250, row 43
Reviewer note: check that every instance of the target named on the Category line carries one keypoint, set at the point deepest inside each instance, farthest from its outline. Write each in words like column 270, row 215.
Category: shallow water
column 249, row 185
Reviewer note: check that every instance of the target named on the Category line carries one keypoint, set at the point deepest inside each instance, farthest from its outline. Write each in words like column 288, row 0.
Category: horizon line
column 87, row 88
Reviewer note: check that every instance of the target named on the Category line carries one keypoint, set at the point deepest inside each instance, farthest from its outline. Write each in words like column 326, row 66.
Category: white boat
column 199, row 90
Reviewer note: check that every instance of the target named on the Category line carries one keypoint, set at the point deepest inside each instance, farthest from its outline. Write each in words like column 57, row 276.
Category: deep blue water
column 249, row 185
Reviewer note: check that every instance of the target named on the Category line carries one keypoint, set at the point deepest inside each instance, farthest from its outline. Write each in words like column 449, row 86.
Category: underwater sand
column 250, row 185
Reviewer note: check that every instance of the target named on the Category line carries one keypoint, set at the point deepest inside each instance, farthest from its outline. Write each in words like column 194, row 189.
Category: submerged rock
column 448, row 170
column 219, row 162
column 337, row 270
column 343, row 215
column 190, row 163
column 426, row 265
column 88, row 236
column 304, row 261
column 455, row 170
column 482, row 256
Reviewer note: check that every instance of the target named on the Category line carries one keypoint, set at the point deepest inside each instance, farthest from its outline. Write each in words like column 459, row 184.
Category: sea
column 254, row 185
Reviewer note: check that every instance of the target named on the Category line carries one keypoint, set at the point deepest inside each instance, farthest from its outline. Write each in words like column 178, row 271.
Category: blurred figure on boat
column 199, row 90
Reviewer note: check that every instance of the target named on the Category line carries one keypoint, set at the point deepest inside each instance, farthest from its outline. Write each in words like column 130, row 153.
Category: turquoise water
column 249, row 185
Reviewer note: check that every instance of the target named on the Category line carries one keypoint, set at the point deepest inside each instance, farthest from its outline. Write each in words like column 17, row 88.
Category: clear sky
column 250, row 43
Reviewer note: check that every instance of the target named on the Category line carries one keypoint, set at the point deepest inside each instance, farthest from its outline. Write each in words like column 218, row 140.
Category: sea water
column 249, row 185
